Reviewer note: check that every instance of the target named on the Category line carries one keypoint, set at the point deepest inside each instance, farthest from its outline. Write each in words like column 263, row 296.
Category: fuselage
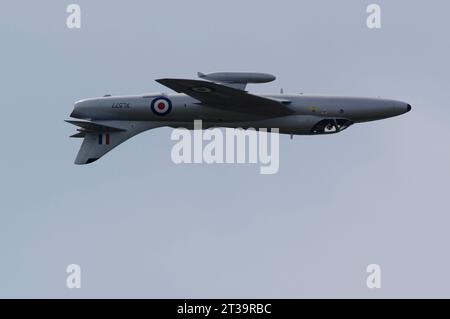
column 307, row 111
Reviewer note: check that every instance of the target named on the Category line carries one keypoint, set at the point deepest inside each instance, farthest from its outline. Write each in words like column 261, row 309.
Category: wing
column 100, row 138
column 227, row 98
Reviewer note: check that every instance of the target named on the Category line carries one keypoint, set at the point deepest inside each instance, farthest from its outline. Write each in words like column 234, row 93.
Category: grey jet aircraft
column 219, row 100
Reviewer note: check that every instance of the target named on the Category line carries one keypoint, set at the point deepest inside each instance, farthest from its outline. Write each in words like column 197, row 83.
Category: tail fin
column 102, row 137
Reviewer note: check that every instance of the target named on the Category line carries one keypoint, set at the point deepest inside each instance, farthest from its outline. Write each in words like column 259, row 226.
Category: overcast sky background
column 142, row 227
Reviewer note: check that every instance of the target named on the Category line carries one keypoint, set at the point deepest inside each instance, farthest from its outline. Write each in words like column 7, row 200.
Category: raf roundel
column 202, row 89
column 161, row 106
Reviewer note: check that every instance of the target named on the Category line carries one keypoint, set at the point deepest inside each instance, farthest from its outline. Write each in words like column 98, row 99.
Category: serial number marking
column 226, row 308
column 236, row 308
column 121, row 105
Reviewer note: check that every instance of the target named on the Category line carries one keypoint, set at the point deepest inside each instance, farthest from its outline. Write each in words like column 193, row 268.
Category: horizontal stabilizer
column 78, row 135
column 96, row 127
column 100, row 138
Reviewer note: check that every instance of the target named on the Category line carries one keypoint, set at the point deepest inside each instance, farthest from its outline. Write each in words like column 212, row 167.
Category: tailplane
column 101, row 137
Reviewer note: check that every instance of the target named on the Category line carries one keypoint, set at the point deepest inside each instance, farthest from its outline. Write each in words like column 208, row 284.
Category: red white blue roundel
column 161, row 105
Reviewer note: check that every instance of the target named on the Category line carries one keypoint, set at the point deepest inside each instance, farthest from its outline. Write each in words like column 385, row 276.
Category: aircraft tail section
column 102, row 137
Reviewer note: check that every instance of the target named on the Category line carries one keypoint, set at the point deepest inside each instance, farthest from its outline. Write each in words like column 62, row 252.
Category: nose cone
column 401, row 107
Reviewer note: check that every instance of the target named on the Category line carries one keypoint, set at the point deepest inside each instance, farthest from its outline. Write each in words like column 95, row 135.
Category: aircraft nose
column 401, row 107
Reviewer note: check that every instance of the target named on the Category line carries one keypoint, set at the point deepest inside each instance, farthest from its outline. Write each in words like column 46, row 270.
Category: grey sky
column 141, row 226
